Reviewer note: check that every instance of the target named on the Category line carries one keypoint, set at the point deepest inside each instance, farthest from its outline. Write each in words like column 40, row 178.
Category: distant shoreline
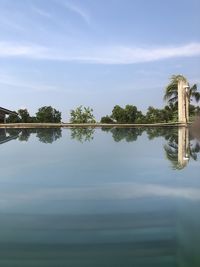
column 83, row 125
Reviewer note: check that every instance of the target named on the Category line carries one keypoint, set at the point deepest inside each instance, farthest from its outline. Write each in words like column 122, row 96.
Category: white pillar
column 183, row 102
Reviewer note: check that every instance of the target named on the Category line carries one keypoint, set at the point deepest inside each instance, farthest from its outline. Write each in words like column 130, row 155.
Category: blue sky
column 96, row 53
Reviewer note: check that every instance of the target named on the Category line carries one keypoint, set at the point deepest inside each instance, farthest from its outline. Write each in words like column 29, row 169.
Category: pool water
column 99, row 197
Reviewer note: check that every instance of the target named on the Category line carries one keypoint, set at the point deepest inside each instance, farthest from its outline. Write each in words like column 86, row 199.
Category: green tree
column 140, row 118
column 118, row 114
column 24, row 115
column 82, row 115
column 106, row 119
column 171, row 91
column 172, row 112
column 131, row 113
column 125, row 115
column 155, row 115
column 48, row 114
column 13, row 118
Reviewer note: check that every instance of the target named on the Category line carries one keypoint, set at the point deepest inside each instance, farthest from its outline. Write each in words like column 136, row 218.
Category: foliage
column 106, row 119
column 48, row 114
column 171, row 91
column 13, row 118
column 82, row 115
column 128, row 114
column 140, row 118
column 118, row 114
column 24, row 115
column 155, row 115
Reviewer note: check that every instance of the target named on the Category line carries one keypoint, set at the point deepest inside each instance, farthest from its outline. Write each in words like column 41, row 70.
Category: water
column 104, row 197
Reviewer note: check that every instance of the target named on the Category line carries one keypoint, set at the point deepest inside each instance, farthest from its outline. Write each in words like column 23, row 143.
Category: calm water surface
column 104, row 197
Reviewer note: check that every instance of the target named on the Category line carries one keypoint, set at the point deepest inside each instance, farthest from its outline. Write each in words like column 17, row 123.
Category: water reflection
column 6, row 137
column 181, row 143
column 48, row 136
column 106, row 206
column 44, row 135
column 82, row 134
column 181, row 146
column 24, row 135
column 127, row 134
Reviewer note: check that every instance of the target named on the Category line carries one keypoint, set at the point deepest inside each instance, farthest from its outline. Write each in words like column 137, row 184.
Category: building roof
column 7, row 111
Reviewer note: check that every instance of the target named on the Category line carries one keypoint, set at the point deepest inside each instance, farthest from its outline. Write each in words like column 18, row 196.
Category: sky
column 96, row 53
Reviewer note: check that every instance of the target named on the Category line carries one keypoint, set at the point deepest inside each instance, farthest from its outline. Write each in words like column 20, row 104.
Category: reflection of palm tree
column 82, row 134
column 171, row 152
column 179, row 152
column 171, row 91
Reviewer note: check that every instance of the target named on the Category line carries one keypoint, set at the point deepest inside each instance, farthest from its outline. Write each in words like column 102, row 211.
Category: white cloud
column 79, row 11
column 99, row 55
column 18, row 50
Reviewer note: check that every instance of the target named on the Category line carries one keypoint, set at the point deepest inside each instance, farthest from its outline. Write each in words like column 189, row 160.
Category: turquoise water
column 104, row 197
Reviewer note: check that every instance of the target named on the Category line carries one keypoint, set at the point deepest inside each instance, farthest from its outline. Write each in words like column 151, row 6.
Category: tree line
column 123, row 115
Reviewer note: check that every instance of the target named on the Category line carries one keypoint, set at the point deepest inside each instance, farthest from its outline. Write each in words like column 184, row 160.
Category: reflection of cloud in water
column 117, row 191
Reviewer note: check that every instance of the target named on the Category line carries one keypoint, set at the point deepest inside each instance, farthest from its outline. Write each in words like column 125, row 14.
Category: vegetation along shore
column 129, row 115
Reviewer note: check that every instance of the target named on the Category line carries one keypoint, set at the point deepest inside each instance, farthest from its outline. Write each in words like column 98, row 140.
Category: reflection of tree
column 7, row 135
column 82, row 134
column 171, row 148
column 49, row 135
column 45, row 135
column 24, row 135
column 129, row 134
column 13, row 131
column 170, row 134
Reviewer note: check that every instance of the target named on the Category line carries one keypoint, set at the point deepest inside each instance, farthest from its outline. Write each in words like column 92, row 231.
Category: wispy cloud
column 112, row 191
column 42, row 12
column 99, row 55
column 78, row 10
column 19, row 50
column 27, row 86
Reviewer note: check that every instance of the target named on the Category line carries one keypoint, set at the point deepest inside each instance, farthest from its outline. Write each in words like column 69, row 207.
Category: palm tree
column 171, row 91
